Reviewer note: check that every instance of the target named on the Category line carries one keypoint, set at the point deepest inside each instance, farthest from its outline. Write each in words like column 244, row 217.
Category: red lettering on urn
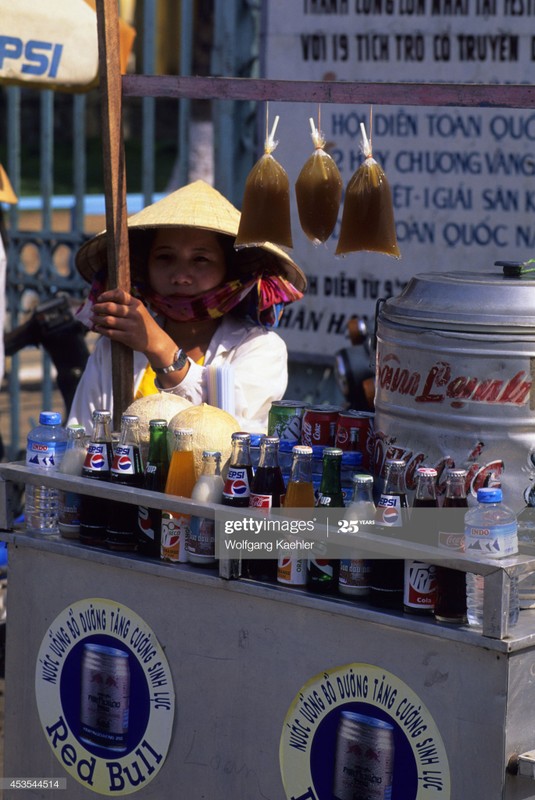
column 437, row 376
column 397, row 379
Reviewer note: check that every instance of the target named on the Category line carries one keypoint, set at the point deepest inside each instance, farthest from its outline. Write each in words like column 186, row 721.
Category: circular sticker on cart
column 105, row 696
column 359, row 731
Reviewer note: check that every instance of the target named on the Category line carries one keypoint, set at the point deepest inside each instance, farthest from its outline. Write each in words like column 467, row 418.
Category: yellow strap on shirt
column 147, row 385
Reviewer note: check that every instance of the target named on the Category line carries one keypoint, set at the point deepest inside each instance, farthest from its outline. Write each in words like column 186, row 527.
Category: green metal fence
column 49, row 138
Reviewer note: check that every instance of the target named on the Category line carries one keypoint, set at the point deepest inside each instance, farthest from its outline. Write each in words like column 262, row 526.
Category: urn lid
column 499, row 301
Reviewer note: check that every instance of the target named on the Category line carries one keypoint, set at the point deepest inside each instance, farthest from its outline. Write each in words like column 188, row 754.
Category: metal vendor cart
column 236, row 687
column 125, row 675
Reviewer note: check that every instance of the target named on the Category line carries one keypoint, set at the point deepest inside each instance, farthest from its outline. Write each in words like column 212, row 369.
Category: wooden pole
column 114, row 189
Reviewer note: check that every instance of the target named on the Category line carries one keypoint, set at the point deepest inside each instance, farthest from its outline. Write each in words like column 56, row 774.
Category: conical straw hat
column 197, row 205
column 7, row 195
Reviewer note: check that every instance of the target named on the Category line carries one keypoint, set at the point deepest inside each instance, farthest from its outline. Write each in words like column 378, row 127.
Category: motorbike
column 53, row 326
column 353, row 367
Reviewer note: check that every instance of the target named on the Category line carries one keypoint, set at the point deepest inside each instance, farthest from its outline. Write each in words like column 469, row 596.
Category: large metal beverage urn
column 454, row 378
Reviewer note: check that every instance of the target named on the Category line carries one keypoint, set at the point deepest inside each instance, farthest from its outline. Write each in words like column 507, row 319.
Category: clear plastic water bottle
column 490, row 530
column 44, row 452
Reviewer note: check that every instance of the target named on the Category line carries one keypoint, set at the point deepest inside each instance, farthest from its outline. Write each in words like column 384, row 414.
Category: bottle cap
column 362, row 477
column 489, row 495
column 301, row 450
column 206, row 454
column 455, row 472
column 101, row 415
column 76, row 430
column 270, row 440
column 158, row 423
column 49, row 418
column 428, row 472
column 241, row 436
column 333, row 451
column 395, row 462
column 179, row 432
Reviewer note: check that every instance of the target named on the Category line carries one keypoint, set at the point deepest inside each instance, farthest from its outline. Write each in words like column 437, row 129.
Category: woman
column 195, row 303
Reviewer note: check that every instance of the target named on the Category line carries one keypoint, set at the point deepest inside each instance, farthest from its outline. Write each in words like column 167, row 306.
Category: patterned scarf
column 264, row 298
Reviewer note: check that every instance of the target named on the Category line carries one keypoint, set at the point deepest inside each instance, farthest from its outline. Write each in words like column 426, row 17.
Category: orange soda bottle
column 292, row 571
column 180, row 482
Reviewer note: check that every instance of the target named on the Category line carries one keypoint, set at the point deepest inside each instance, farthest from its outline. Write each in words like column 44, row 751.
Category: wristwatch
column 179, row 361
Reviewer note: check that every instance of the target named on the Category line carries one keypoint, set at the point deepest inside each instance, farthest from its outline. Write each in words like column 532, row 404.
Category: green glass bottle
column 149, row 520
column 323, row 572
column 330, row 493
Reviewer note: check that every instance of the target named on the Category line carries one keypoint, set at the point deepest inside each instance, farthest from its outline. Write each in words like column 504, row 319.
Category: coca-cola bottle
column 450, row 600
column 126, row 470
column 149, row 520
column 97, row 466
column 237, row 488
column 419, row 584
column 267, row 491
column 387, row 574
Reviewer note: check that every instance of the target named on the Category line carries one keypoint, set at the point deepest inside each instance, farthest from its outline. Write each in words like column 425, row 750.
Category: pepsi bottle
column 237, row 488
column 387, row 575
column 97, row 466
column 126, row 470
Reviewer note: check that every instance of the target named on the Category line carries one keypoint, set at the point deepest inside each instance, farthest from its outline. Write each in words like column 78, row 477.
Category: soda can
column 285, row 419
column 105, row 696
column 354, row 433
column 319, row 425
column 364, row 759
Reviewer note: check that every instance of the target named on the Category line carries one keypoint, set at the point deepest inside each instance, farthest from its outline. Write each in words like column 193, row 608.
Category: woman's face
column 185, row 261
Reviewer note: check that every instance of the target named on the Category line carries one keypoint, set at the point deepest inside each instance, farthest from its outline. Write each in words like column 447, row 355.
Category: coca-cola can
column 319, row 425
column 354, row 432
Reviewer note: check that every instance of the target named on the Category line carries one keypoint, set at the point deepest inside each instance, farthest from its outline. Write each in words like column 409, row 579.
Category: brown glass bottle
column 450, row 600
column 386, row 574
column 420, row 581
column 97, row 466
column 267, row 491
column 126, row 470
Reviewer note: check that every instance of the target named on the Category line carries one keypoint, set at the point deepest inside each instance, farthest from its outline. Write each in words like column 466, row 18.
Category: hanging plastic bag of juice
column 318, row 191
column 368, row 215
column 265, row 215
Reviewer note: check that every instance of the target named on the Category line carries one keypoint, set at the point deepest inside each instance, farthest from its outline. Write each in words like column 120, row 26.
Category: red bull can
column 364, row 758
column 105, row 696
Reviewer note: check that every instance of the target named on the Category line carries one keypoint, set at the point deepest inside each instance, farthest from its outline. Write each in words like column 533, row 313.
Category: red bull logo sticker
column 360, row 731
column 112, row 733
